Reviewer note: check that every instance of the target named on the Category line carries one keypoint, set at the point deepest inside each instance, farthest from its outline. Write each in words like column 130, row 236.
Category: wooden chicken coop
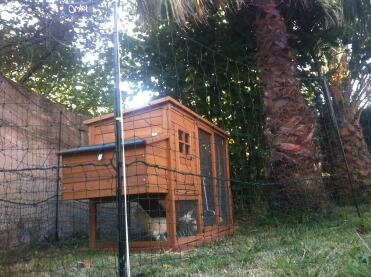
column 177, row 172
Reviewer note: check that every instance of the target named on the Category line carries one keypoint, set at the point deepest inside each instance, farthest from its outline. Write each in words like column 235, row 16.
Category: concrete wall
column 29, row 139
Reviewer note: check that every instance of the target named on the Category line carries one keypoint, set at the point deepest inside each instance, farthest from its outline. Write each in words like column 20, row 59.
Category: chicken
column 156, row 227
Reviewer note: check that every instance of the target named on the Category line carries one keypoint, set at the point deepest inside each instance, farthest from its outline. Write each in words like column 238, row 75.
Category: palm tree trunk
column 356, row 151
column 293, row 160
column 357, row 156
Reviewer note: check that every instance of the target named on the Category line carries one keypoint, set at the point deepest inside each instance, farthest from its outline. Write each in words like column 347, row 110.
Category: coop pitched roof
column 159, row 102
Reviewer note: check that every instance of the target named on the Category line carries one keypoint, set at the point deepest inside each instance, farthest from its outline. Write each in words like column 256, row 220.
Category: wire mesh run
column 59, row 211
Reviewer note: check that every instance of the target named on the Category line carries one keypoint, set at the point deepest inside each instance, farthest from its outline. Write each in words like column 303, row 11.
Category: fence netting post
column 336, row 126
column 58, row 177
column 122, row 213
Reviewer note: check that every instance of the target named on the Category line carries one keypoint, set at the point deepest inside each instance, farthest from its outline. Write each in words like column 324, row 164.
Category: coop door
column 208, row 203
column 221, row 178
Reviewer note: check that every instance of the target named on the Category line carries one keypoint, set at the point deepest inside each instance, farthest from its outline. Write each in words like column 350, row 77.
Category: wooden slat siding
column 163, row 102
column 71, row 181
column 90, row 181
column 147, row 188
column 92, row 224
column 186, row 192
column 132, row 123
column 103, row 183
column 71, row 175
column 215, row 180
column 154, row 161
column 109, row 129
column 157, row 158
column 140, row 115
column 185, row 184
column 186, row 197
column 129, row 134
column 93, row 181
column 157, row 176
column 140, row 125
column 91, row 189
column 188, row 186
column 99, row 171
column 91, row 135
column 107, row 188
column 170, row 197
column 81, row 164
column 86, row 157
column 157, row 149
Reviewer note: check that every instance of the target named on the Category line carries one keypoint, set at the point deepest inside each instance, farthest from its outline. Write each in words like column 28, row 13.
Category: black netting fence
column 59, row 213
column 222, row 152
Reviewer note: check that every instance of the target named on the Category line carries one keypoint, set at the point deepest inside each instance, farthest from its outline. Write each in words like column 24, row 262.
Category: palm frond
column 183, row 11
column 328, row 12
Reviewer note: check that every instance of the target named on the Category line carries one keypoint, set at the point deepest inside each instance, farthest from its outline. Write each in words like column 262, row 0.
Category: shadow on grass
column 338, row 245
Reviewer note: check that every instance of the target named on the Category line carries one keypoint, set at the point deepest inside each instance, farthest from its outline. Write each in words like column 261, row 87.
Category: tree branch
column 38, row 65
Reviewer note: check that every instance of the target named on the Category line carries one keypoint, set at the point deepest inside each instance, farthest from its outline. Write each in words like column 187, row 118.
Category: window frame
column 184, row 147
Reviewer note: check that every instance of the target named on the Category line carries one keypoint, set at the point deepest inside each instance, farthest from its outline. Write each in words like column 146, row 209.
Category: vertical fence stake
column 333, row 117
column 58, row 178
column 123, row 240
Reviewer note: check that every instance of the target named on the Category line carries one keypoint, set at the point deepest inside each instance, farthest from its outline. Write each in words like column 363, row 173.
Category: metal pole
column 333, row 117
column 58, row 178
column 123, row 243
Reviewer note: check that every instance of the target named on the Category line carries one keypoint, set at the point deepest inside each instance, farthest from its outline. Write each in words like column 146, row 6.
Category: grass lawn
column 336, row 246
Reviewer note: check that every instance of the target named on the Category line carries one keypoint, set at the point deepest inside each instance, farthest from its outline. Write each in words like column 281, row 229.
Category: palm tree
column 290, row 123
column 344, row 58
column 350, row 96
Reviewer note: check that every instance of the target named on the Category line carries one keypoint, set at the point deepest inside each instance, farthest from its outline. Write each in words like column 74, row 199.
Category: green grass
column 336, row 246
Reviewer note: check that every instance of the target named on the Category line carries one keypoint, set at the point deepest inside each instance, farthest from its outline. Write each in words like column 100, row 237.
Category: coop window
column 148, row 218
column 186, row 218
column 106, row 221
column 221, row 179
column 208, row 201
column 184, row 142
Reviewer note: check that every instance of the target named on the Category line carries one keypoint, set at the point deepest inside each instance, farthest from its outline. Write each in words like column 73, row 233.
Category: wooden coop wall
column 168, row 163
column 84, row 181
column 138, row 124
column 187, row 181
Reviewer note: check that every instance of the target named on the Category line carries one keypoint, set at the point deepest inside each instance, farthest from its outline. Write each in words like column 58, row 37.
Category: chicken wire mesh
column 51, row 207
column 58, row 211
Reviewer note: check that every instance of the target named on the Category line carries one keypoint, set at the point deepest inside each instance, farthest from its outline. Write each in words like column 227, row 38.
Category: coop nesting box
column 177, row 172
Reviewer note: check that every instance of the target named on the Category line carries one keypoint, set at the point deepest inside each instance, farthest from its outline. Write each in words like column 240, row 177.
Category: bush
column 363, row 224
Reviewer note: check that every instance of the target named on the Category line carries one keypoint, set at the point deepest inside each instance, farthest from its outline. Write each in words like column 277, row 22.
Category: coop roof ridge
column 157, row 102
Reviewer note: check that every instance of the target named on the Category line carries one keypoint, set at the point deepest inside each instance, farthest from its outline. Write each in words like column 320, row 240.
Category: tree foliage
column 209, row 67
column 65, row 58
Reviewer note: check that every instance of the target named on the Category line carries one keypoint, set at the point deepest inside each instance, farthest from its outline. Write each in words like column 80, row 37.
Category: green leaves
column 49, row 52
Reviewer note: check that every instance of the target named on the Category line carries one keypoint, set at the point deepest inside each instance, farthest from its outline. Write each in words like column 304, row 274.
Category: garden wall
column 32, row 128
